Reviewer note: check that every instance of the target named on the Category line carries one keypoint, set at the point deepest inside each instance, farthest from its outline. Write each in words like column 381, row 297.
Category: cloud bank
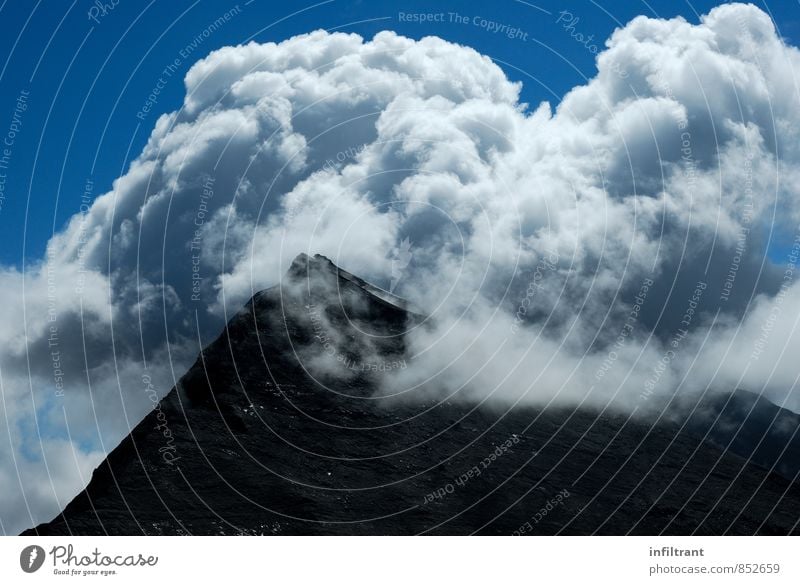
column 637, row 240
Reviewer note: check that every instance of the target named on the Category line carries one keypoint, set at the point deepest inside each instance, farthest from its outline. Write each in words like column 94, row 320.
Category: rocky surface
column 276, row 429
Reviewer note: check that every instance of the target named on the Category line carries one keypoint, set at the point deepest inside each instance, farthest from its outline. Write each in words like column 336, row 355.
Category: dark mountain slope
column 251, row 442
column 750, row 426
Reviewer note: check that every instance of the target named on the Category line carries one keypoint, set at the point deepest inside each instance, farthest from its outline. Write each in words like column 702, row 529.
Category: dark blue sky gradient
column 87, row 80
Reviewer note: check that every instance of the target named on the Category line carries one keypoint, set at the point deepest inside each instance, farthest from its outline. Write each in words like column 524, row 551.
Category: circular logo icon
column 31, row 558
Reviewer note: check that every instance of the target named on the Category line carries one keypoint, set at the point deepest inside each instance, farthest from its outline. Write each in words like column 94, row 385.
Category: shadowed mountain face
column 749, row 425
column 277, row 429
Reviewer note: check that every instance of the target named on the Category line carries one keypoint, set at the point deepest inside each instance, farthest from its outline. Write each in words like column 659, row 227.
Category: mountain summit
column 277, row 429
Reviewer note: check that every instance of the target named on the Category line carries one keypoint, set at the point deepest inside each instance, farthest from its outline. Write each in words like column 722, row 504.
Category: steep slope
column 750, row 426
column 276, row 430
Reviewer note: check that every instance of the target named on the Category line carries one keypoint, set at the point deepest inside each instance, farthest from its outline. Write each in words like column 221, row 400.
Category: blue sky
column 87, row 79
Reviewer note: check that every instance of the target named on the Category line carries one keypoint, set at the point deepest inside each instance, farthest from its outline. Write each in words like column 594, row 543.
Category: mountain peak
column 309, row 267
column 303, row 263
